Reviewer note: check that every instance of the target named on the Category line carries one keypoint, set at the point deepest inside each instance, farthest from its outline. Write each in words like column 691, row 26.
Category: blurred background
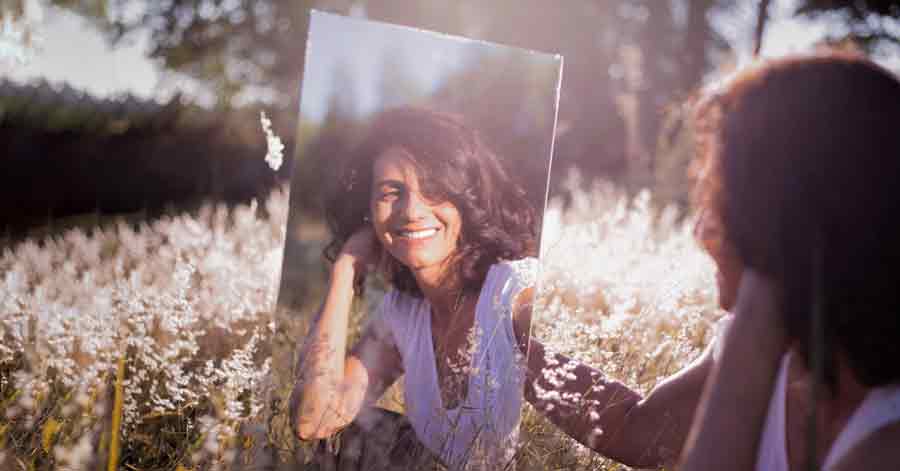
column 139, row 107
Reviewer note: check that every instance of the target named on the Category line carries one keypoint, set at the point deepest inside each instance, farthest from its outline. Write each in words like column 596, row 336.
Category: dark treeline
column 68, row 153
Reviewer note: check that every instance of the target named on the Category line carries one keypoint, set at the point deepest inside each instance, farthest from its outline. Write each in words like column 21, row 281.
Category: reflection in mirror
column 411, row 247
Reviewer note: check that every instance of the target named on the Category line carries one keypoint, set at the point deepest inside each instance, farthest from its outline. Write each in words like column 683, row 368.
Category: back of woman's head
column 809, row 154
column 453, row 164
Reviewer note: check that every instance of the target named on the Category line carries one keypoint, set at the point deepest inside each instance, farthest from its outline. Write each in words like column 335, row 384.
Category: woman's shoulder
column 524, row 270
column 877, row 451
column 508, row 278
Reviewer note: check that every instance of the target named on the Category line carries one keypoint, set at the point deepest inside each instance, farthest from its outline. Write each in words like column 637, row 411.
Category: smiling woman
column 423, row 202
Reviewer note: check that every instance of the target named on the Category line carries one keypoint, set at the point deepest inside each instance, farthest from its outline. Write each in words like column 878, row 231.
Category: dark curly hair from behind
column 804, row 158
column 454, row 165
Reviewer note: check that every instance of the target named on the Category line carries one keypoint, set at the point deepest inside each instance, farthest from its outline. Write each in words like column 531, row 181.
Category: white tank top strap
column 880, row 407
column 772, row 452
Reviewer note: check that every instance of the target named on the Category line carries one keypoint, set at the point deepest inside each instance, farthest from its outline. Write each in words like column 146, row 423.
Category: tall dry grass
column 186, row 302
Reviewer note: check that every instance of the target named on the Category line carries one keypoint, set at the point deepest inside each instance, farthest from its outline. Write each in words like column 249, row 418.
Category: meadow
column 149, row 345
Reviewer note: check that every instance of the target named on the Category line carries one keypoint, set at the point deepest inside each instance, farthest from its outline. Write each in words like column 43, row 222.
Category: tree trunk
column 762, row 15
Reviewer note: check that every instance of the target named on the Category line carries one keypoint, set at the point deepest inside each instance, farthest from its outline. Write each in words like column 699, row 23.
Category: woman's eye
column 390, row 195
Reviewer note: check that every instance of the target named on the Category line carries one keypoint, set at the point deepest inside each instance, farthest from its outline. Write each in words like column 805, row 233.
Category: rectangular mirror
column 431, row 155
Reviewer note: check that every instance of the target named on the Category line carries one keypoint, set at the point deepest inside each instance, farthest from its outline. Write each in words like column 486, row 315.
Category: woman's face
column 728, row 265
column 420, row 234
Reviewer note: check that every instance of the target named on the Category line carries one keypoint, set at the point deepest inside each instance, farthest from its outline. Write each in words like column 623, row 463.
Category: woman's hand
column 737, row 394
column 758, row 297
column 361, row 251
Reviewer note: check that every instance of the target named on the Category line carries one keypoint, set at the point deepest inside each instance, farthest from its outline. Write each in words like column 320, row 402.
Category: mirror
column 441, row 146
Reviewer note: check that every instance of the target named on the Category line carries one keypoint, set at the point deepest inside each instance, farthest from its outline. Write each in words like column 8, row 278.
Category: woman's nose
column 414, row 206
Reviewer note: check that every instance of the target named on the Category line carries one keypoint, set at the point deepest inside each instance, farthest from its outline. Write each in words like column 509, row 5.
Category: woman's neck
column 438, row 287
column 446, row 296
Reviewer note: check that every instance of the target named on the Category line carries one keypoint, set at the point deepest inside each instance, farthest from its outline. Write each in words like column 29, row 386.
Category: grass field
column 152, row 343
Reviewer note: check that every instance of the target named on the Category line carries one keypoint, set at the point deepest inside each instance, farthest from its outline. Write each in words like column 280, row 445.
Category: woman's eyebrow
column 390, row 182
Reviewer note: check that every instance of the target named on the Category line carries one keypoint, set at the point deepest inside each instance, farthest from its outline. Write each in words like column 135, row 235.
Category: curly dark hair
column 454, row 165
column 802, row 157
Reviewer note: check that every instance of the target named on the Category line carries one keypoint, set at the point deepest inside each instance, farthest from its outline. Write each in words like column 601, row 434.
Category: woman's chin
column 418, row 265
column 421, row 264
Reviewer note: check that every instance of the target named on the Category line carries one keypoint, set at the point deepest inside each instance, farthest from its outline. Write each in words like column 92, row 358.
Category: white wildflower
column 273, row 156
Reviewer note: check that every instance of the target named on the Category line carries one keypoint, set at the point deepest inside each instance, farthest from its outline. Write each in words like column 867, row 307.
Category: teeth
column 419, row 234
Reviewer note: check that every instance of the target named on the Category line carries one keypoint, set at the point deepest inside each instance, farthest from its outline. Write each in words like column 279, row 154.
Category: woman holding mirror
column 808, row 377
column 800, row 203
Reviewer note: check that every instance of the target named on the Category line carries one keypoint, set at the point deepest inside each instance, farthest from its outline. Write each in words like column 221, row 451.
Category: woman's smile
column 417, row 234
column 414, row 244
column 414, row 239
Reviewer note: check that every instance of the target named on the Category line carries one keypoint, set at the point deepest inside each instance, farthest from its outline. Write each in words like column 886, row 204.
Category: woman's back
column 848, row 419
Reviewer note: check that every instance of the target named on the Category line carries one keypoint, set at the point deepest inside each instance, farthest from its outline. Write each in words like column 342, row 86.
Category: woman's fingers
column 294, row 410
column 362, row 248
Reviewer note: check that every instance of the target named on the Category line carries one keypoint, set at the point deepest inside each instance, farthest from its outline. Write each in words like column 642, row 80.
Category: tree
column 762, row 16
column 234, row 46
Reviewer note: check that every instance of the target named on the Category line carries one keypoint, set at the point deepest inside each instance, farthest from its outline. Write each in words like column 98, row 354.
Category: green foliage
column 229, row 45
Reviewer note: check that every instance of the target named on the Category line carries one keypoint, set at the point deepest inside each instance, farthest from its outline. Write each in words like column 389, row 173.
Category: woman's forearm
column 583, row 403
column 322, row 359
column 726, row 430
column 606, row 415
column 611, row 418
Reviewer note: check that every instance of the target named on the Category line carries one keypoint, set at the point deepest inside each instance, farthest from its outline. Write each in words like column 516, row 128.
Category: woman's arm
column 331, row 387
column 735, row 401
column 606, row 415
